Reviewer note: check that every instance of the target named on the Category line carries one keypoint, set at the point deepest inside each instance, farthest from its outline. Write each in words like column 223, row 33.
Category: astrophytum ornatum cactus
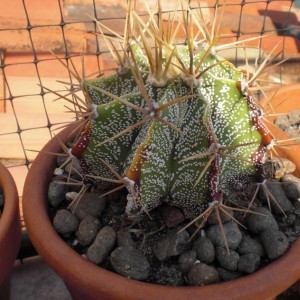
column 174, row 124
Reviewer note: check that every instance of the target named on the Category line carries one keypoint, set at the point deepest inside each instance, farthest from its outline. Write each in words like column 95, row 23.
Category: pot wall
column 10, row 230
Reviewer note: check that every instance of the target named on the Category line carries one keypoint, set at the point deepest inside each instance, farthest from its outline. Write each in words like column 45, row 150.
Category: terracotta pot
column 88, row 281
column 10, row 230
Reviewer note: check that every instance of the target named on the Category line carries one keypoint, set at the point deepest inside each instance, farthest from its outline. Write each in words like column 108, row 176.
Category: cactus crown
column 175, row 123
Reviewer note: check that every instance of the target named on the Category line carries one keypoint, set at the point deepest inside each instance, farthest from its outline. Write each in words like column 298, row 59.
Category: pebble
column 65, row 222
column 275, row 242
column 76, row 187
column 172, row 244
column 227, row 275
column 87, row 230
column 277, row 167
column 186, row 260
column 293, row 133
column 205, row 250
column 73, row 168
column 294, row 116
column 102, row 245
column 56, row 193
column 171, row 215
column 89, row 205
column 227, row 260
column 60, row 159
column 257, row 223
column 124, row 239
column 291, row 186
column 277, row 192
column 58, row 171
column 130, row 262
column 232, row 233
column 70, row 196
column 213, row 217
column 248, row 263
column 249, row 245
column 283, row 122
column 202, row 274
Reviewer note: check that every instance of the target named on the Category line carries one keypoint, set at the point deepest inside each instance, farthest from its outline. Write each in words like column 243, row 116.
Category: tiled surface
column 34, row 280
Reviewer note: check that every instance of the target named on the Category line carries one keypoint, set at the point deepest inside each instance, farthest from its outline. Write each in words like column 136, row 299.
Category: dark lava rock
column 89, row 205
column 186, row 260
column 275, row 242
column 87, row 230
column 291, row 186
column 171, row 215
column 281, row 203
column 70, row 196
column 102, row 245
column 232, row 233
column 257, row 223
column 124, row 239
column 56, row 193
column 130, row 263
column 227, row 275
column 248, row 263
column 205, row 250
column 227, row 260
column 249, row 245
column 202, row 274
column 174, row 243
column 73, row 167
column 213, row 218
column 65, row 222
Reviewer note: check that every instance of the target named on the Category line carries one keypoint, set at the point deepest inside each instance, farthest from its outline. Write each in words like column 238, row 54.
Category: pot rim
column 75, row 270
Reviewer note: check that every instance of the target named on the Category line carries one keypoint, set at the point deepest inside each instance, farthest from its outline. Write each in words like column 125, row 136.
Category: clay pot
column 10, row 230
column 88, row 281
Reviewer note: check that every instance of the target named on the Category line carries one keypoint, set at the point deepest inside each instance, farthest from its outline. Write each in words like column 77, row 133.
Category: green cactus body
column 120, row 83
column 208, row 143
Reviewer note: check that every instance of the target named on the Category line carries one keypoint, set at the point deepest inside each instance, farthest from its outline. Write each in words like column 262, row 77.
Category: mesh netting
column 29, row 116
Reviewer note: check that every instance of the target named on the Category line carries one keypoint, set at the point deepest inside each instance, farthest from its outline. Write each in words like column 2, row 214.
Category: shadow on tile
column 32, row 279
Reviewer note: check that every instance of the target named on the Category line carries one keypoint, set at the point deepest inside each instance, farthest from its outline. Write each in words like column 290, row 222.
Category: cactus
column 177, row 123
